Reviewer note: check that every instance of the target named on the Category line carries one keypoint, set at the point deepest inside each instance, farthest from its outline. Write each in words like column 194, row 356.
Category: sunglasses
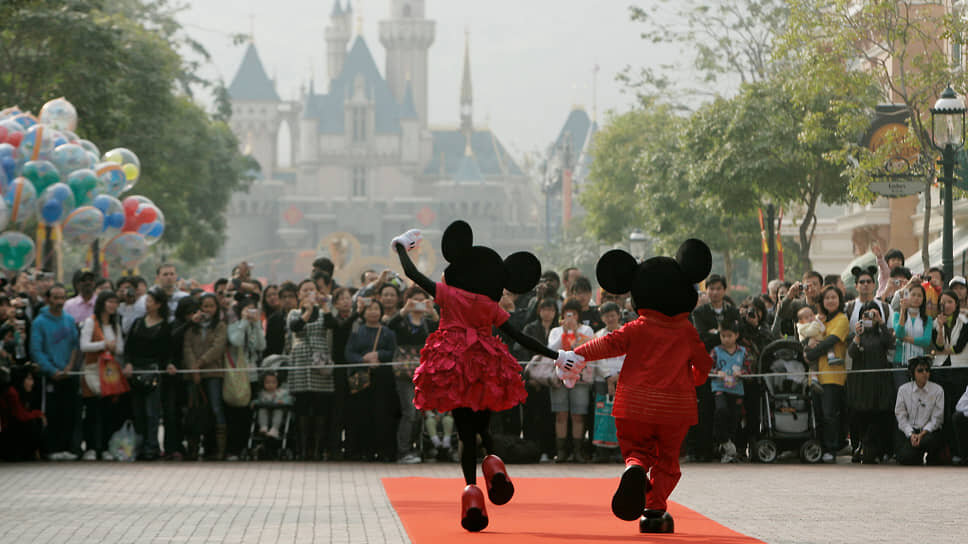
column 865, row 281
column 922, row 369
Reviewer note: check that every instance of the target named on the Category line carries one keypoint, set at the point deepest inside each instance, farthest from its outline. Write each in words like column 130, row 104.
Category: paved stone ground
column 336, row 502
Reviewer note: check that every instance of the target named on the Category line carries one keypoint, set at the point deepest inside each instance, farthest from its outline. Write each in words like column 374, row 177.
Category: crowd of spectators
column 238, row 369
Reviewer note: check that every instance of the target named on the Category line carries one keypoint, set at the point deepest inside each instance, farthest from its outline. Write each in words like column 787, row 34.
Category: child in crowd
column 810, row 325
column 446, row 422
column 270, row 419
column 730, row 361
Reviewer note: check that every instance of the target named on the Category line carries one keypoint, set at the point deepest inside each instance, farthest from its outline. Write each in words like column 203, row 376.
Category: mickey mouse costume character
column 655, row 401
column 463, row 368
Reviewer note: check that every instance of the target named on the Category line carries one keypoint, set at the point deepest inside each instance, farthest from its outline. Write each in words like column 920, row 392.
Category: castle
column 364, row 164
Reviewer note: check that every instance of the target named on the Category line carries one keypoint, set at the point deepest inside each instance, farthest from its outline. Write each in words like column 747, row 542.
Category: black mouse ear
column 872, row 270
column 695, row 259
column 457, row 241
column 616, row 271
column 855, row 271
column 523, row 272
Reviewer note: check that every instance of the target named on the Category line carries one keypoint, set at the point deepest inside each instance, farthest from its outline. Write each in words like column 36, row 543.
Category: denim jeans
column 147, row 415
column 834, row 402
column 213, row 388
column 408, row 416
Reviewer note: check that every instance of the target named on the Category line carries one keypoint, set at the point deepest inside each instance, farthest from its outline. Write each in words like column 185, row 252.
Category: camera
column 420, row 306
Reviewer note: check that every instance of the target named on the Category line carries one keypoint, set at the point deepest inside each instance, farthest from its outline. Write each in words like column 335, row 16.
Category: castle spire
column 466, row 92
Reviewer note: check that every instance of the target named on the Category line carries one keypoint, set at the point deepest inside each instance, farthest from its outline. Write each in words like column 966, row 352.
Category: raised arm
column 411, row 271
column 526, row 341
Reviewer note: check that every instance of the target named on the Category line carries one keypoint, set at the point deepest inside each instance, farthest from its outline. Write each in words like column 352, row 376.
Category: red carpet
column 543, row 510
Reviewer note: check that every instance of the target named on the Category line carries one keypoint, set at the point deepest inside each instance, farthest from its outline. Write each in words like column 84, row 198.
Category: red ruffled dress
column 462, row 365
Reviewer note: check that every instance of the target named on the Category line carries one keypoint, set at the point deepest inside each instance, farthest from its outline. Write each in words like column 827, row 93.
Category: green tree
column 905, row 47
column 118, row 63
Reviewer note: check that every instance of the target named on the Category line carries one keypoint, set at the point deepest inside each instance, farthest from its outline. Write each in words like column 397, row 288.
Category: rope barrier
column 414, row 363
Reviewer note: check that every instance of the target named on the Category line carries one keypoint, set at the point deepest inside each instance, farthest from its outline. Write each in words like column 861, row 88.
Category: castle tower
column 467, row 95
column 407, row 37
column 255, row 111
column 338, row 35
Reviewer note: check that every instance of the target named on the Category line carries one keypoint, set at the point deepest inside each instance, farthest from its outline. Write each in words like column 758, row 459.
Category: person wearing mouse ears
column 464, row 368
column 665, row 360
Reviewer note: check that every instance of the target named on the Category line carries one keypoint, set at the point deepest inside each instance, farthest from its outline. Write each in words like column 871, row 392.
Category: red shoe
column 499, row 486
column 473, row 515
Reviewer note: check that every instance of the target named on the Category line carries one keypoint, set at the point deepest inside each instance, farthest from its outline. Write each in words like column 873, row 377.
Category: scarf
column 913, row 328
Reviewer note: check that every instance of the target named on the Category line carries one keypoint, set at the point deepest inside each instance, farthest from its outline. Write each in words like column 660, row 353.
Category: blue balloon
column 152, row 230
column 115, row 220
column 51, row 212
column 102, row 203
column 9, row 167
column 61, row 192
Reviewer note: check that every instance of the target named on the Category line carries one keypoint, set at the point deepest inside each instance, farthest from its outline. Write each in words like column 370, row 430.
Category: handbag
column 236, row 390
column 145, row 383
column 409, row 355
column 110, row 380
column 605, row 433
column 360, row 379
column 541, row 370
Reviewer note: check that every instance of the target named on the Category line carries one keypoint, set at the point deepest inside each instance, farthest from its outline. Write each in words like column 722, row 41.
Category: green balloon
column 42, row 174
column 82, row 183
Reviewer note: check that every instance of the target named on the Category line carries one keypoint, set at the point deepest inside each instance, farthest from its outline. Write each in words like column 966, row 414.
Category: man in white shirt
column 920, row 412
column 959, row 420
column 166, row 277
column 132, row 305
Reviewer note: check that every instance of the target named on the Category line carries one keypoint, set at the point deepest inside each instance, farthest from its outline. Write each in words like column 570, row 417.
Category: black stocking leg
column 464, row 420
column 482, row 426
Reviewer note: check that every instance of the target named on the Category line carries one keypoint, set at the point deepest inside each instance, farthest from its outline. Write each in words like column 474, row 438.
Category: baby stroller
column 261, row 447
column 787, row 418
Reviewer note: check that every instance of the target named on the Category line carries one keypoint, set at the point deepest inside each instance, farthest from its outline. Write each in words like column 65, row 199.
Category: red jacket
column 11, row 409
column 664, row 362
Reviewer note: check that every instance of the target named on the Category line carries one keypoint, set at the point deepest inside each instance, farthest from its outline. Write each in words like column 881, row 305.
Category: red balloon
column 15, row 138
column 3, row 134
column 147, row 215
column 130, row 207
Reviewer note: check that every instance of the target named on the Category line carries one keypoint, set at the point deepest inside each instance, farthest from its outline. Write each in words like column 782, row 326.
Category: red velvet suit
column 655, row 402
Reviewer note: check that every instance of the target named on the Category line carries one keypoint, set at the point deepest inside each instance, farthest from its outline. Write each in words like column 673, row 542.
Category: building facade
column 364, row 164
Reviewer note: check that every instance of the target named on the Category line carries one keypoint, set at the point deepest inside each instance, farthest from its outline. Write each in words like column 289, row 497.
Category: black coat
column 705, row 318
column 871, row 391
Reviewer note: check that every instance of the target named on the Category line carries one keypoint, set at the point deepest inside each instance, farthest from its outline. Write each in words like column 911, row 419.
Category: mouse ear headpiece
column 616, row 271
column 523, row 272
column 457, row 241
column 695, row 260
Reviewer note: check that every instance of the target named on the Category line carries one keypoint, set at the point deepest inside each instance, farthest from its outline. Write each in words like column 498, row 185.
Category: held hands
column 409, row 240
column 568, row 367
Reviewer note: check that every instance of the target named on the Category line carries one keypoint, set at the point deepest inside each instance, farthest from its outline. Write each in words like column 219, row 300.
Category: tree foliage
column 118, row 63
column 905, row 47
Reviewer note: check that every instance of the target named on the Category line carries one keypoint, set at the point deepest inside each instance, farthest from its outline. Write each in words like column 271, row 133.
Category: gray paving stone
column 292, row 503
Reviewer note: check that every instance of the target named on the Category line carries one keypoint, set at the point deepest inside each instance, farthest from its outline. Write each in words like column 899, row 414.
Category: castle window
column 359, row 181
column 359, row 124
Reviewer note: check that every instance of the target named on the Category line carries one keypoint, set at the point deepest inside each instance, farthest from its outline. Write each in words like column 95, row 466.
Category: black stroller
column 787, row 417
column 262, row 447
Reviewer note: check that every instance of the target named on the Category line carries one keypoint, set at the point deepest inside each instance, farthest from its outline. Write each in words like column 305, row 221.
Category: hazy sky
column 531, row 60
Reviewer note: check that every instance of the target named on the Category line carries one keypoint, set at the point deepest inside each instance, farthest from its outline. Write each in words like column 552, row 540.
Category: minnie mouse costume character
column 463, row 368
column 655, row 401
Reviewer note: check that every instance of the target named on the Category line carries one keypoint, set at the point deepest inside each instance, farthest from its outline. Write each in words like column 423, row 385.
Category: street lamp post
column 638, row 244
column 948, row 135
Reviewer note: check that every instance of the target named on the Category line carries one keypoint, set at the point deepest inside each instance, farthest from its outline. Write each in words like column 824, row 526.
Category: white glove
column 409, row 240
column 568, row 367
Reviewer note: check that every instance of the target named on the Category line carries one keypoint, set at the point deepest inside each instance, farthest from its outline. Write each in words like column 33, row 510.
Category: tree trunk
column 728, row 265
column 807, row 227
column 926, row 227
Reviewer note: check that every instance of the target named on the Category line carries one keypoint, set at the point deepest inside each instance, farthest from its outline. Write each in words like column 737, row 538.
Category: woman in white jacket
column 574, row 401
column 949, row 341
column 247, row 341
column 99, row 333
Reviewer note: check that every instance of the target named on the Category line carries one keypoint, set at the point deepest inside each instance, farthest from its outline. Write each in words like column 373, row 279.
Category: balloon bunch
column 47, row 172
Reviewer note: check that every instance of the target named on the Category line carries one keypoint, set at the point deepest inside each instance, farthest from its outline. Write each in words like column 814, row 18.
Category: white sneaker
column 728, row 449
column 446, row 442
column 828, row 458
column 544, row 458
column 273, row 433
column 107, row 456
column 409, row 459
column 232, row 458
column 89, row 455
column 57, row 456
column 435, row 440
